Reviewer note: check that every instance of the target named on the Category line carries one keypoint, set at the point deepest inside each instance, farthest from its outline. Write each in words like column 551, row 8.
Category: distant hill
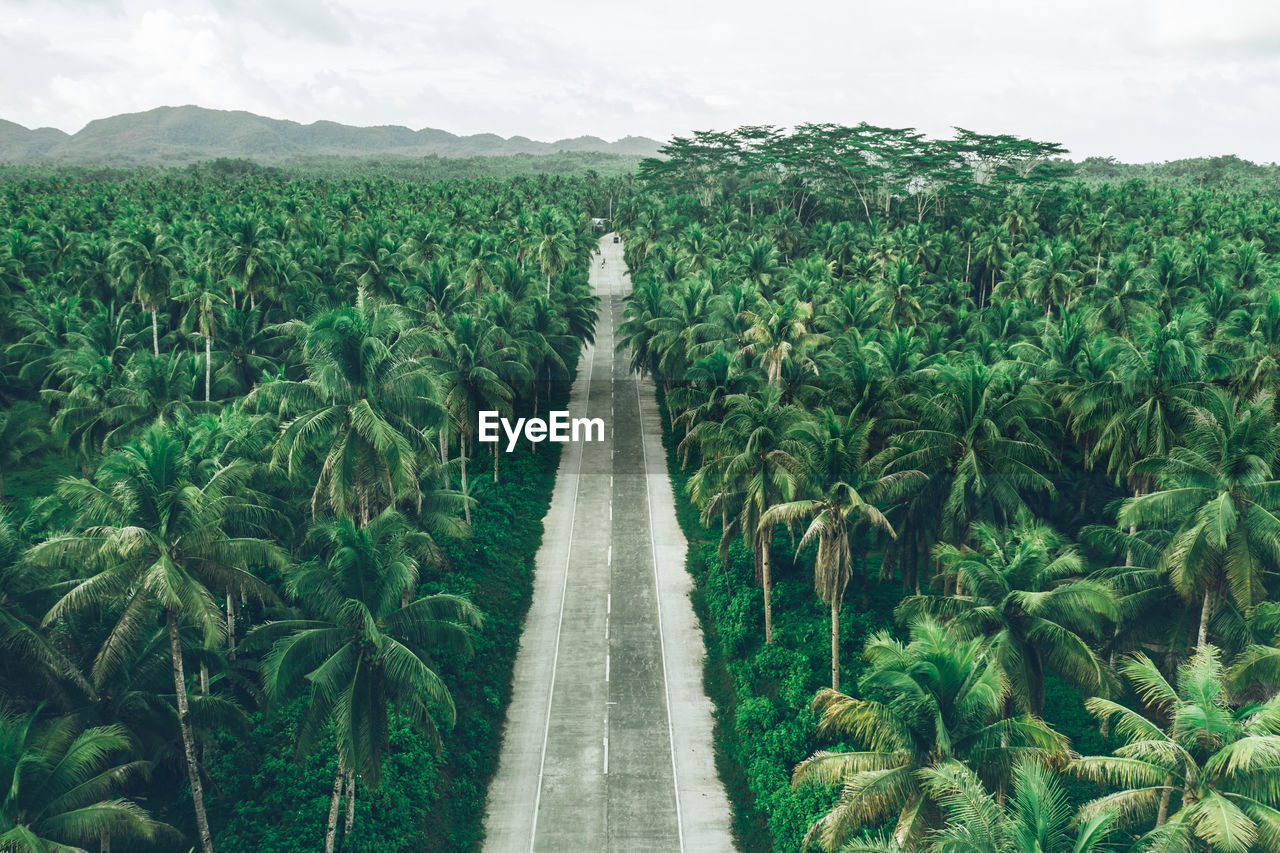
column 179, row 135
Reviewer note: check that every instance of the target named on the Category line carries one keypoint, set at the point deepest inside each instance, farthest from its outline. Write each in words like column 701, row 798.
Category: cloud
column 1144, row 80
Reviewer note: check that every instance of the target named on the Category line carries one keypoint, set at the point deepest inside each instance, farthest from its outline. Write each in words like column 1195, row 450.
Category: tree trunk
column 351, row 807
column 835, row 643
column 335, row 801
column 208, row 366
column 1206, row 611
column 1163, row 814
column 766, row 577
column 495, row 460
column 444, row 453
column 462, row 454
column 188, row 739
column 204, row 680
column 155, row 333
column 724, row 563
column 231, row 623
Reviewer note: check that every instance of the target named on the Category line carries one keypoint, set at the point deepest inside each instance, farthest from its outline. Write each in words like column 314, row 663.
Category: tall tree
column 154, row 545
column 943, row 702
column 1220, row 761
column 146, row 263
column 1220, row 495
column 843, row 494
column 362, row 409
column 1023, row 590
column 361, row 650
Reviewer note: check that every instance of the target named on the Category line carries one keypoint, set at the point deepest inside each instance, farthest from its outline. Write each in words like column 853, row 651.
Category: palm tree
column 846, row 494
column 156, row 545
column 62, row 787
column 252, row 255
column 20, row 434
column 363, row 407
column 554, row 247
column 779, row 333
column 203, row 296
column 1220, row 761
column 1149, row 398
column 361, row 650
column 1023, row 591
column 943, row 703
column 1221, row 496
column 1037, row 819
column 753, row 456
column 147, row 264
column 1056, row 278
column 982, row 438
column 474, row 370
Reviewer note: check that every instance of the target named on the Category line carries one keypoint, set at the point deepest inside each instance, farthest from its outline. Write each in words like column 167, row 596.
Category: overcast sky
column 1138, row 79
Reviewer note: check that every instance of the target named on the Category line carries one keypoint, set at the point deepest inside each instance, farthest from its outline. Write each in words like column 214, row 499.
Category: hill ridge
column 178, row 135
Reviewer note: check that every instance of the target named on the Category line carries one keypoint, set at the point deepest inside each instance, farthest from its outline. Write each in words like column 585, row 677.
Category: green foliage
column 228, row 358
column 281, row 803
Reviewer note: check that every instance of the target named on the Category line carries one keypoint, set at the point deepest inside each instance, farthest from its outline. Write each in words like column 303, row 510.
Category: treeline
column 1200, row 171
column 849, row 173
column 258, row 398
column 592, row 166
column 1045, row 413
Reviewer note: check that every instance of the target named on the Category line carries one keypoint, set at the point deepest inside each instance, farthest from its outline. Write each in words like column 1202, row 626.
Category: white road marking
column 564, row 589
column 662, row 644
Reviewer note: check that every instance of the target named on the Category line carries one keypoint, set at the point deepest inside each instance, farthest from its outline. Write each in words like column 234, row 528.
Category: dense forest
column 259, row 588
column 981, row 475
column 977, row 453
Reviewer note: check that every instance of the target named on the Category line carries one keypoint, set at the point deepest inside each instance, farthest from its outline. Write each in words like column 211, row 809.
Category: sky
column 1140, row 80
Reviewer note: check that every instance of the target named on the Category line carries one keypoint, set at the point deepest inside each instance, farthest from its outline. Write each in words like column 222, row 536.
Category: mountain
column 179, row 135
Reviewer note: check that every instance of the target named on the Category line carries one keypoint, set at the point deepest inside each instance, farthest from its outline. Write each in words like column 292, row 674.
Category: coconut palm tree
column 202, row 294
column 943, row 702
column 474, row 369
column 251, row 255
column 753, row 456
column 983, row 440
column 362, row 409
column 62, row 787
column 361, row 650
column 1220, row 761
column 20, row 434
column 553, row 249
column 146, row 263
column 1220, row 494
column 1038, row 818
column 1023, row 590
column 154, row 545
column 844, row 494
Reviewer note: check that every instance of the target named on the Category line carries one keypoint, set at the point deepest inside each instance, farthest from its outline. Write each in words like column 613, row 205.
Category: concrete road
column 608, row 740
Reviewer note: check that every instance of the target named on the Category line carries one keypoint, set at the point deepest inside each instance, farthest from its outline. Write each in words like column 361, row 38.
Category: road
column 608, row 739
